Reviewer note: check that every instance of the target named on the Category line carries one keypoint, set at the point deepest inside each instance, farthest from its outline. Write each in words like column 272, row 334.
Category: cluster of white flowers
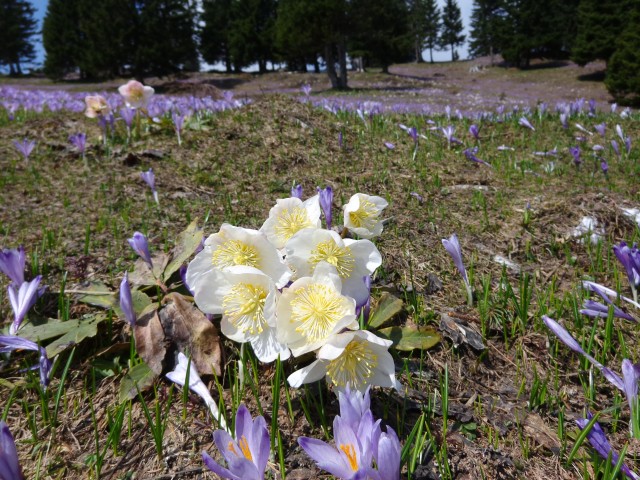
column 293, row 287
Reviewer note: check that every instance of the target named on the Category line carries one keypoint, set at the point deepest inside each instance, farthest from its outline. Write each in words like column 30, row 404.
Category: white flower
column 353, row 259
column 312, row 309
column 238, row 246
column 289, row 216
column 136, row 95
column 362, row 215
column 96, row 105
column 196, row 385
column 246, row 298
column 357, row 359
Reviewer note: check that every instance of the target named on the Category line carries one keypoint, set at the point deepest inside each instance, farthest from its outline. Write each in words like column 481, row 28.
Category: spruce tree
column 424, row 26
column 17, row 26
column 253, row 32
column 297, row 38
column 61, row 37
column 215, row 32
column 487, row 22
column 623, row 69
column 433, row 24
column 451, row 34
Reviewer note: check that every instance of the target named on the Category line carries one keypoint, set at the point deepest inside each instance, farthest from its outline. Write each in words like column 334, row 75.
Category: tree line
column 157, row 37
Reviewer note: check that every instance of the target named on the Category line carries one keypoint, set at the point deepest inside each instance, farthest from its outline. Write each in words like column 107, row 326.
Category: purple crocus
column 25, row 147
column 389, row 145
column 599, row 442
column 448, row 133
column 306, row 89
column 140, row 245
column 601, row 129
column 564, row 120
column 413, row 133
column 616, row 148
column 326, row 201
column 575, row 152
column 620, row 132
column 296, row 191
column 22, row 299
column 247, row 454
column 150, row 179
column 524, row 122
column 566, row 338
column 128, row 114
column 630, row 260
column 470, row 153
column 604, row 166
column 9, row 465
column 178, row 121
column 453, row 248
column 126, row 301
column 9, row 343
column 79, row 141
column 475, row 131
column 631, row 376
column 12, row 263
column 627, row 144
column 359, row 441
column 592, row 308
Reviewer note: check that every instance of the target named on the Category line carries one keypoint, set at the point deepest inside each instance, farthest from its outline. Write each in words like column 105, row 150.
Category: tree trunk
column 342, row 59
column 329, row 58
column 418, row 50
column 316, row 64
column 431, row 54
column 453, row 57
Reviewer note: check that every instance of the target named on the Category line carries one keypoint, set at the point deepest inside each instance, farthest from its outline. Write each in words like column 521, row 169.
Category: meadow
column 537, row 178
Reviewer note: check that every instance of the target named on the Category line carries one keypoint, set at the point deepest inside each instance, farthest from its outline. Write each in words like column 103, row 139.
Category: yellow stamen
column 244, row 446
column 244, row 307
column 316, row 308
column 350, row 452
column 331, row 252
column 232, row 449
column 291, row 221
column 235, row 252
column 366, row 216
column 354, row 366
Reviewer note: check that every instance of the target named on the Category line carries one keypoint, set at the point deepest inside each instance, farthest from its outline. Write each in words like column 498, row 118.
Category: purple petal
column 326, row 202
column 325, row 456
column 296, row 191
column 570, row 342
column 388, row 460
column 140, row 245
column 12, row 262
column 453, row 247
column 216, row 468
column 9, row 466
column 631, row 375
column 126, row 302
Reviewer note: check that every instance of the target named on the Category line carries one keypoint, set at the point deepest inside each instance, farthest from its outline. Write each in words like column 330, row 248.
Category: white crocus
column 246, row 298
column 362, row 215
column 135, row 94
column 353, row 259
column 196, row 385
column 357, row 359
column 312, row 309
column 289, row 216
column 238, row 246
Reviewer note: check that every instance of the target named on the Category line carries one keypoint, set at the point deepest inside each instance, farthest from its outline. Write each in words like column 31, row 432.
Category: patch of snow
column 507, row 263
column 588, row 226
column 633, row 214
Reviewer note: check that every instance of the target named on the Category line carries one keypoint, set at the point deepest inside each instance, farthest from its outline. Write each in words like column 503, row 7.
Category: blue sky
column 465, row 7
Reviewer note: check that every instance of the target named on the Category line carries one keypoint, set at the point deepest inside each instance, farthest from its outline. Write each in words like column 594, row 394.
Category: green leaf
column 387, row 307
column 137, row 378
column 70, row 333
column 98, row 294
column 186, row 243
column 410, row 338
column 140, row 302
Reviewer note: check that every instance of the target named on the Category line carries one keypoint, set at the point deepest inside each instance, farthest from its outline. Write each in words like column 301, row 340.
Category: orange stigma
column 244, row 446
column 350, row 452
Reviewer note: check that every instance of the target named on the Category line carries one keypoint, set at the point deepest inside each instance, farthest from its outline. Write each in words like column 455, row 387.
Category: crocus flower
column 9, row 343
column 79, row 141
column 413, row 133
column 247, row 454
column 596, row 309
column 627, row 144
column 389, row 145
column 631, row 376
column 616, row 147
column 453, row 248
column 196, row 385
column 575, row 152
column 564, row 120
column 150, row 179
column 630, row 260
column 128, row 114
column 96, row 106
column 566, row 338
column 12, row 263
column 306, row 89
column 22, row 299
column 601, row 128
column 448, row 133
column 620, row 132
column 475, row 131
column 325, row 197
column 524, row 122
column 9, row 466
column 470, row 153
column 178, row 122
column 604, row 166
column 417, row 196
column 25, row 147
column 582, row 129
column 126, row 302
column 140, row 245
column 599, row 442
column 296, row 191
column 362, row 215
column 136, row 95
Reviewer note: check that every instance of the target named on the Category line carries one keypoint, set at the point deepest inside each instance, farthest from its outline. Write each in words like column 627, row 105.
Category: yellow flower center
column 244, row 307
column 244, row 446
column 354, row 366
column 291, row 221
column 350, row 452
column 235, row 252
column 366, row 216
column 316, row 308
column 331, row 252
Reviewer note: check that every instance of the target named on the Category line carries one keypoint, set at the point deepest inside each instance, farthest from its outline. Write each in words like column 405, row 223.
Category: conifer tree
column 297, row 38
column 451, row 33
column 61, row 37
column 487, row 22
column 253, row 32
column 215, row 32
column 424, row 26
column 623, row 69
column 17, row 26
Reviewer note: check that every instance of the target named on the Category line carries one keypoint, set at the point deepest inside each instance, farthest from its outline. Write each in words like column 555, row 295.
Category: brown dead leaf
column 192, row 333
column 535, row 427
column 142, row 274
column 150, row 338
